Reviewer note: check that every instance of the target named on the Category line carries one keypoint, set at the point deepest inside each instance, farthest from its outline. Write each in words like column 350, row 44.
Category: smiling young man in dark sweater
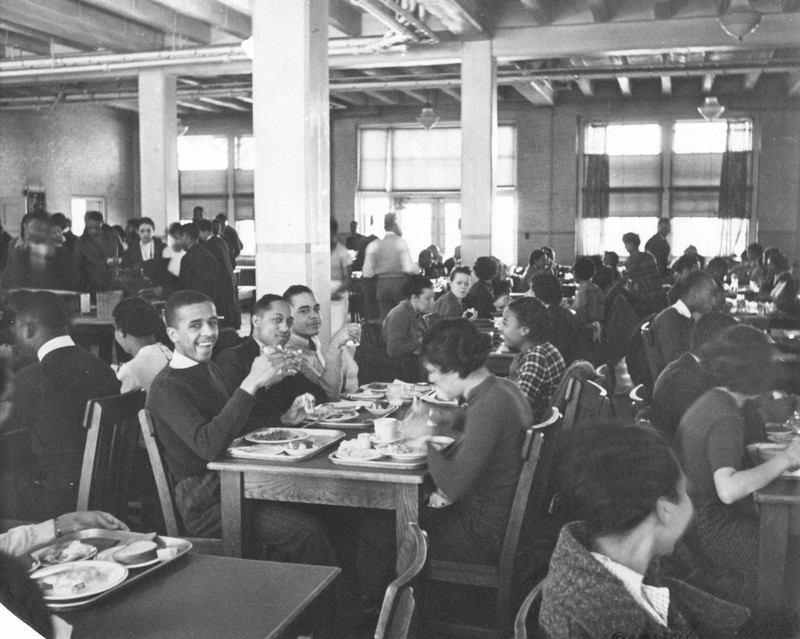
column 196, row 419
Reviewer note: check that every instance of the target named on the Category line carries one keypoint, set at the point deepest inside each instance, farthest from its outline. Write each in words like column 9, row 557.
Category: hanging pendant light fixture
column 427, row 117
column 711, row 109
column 740, row 19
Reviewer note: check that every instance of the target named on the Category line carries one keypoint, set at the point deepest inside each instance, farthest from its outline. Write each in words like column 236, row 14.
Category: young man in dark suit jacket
column 198, row 267
column 280, row 402
column 69, row 378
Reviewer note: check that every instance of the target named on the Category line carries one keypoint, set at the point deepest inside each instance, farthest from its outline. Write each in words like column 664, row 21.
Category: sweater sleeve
column 207, row 439
column 456, row 473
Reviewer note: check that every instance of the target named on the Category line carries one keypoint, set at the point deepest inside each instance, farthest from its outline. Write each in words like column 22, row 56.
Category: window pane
column 202, row 153
column 247, row 233
column 699, row 137
column 415, row 221
column 594, row 142
column 452, row 228
column 506, row 156
column 634, row 204
column 695, row 203
column 372, row 159
column 246, row 152
column 696, row 169
column 371, row 209
column 706, row 234
column 634, row 170
column 426, row 160
column 633, row 139
column 740, row 136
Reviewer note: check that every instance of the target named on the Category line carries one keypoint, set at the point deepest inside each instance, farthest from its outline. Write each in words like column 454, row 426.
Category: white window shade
column 633, row 139
column 372, row 159
column 245, row 158
column 426, row 159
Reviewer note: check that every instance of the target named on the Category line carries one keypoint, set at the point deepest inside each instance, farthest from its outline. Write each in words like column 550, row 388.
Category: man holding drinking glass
column 281, row 402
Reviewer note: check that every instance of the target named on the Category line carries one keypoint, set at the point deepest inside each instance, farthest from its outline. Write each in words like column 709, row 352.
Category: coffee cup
column 386, row 429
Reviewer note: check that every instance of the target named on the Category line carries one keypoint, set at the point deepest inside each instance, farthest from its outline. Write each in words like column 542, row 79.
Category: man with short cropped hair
column 643, row 277
column 230, row 236
column 199, row 269
column 67, row 377
column 280, row 401
column 659, row 247
column 333, row 368
column 227, row 301
column 389, row 261
column 95, row 255
column 196, row 419
column 36, row 262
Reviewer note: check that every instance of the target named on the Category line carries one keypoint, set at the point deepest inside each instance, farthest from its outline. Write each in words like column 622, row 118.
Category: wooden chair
column 637, row 398
column 651, row 351
column 172, row 521
column 528, row 614
column 529, row 498
column 108, row 458
column 397, row 612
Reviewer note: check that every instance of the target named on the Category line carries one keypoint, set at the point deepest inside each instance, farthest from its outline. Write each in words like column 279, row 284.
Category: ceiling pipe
column 411, row 18
column 386, row 20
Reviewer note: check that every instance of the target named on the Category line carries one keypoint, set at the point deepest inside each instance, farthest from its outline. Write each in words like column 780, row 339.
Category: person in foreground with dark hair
column 537, row 367
column 139, row 330
column 712, row 438
column 604, row 579
column 476, row 478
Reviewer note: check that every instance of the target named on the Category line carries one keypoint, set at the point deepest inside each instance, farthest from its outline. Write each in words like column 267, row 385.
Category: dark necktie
column 312, row 345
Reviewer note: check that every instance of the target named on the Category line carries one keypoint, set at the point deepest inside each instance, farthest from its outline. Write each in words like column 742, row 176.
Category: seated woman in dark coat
column 712, row 438
column 604, row 578
column 481, row 295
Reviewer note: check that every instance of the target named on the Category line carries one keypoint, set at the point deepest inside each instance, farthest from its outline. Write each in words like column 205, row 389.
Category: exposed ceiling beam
column 708, row 82
column 356, row 100
column 666, row 85
column 788, row 6
column 625, row 86
column 214, row 13
column 793, row 83
column 381, row 97
column 453, row 93
column 416, row 96
column 344, row 17
column 224, row 103
column 538, row 92
column 41, row 35
column 585, row 86
column 242, row 6
column 540, row 10
column 81, row 23
column 197, row 107
column 601, row 10
column 750, row 80
column 157, row 16
column 664, row 9
column 459, row 16
column 24, row 42
column 388, row 21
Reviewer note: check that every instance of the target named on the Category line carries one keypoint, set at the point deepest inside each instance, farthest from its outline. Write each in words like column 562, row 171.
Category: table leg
column 772, row 545
column 233, row 524
column 406, row 511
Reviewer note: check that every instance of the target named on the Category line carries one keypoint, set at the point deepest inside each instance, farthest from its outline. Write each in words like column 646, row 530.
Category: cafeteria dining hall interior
column 355, row 319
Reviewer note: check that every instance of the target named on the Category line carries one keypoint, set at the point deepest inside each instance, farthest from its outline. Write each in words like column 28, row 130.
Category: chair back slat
column 163, row 485
column 530, row 494
column 528, row 615
column 397, row 611
column 108, row 458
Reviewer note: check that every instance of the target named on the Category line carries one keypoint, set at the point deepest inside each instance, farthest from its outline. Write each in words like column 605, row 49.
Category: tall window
column 417, row 173
column 202, row 153
column 697, row 173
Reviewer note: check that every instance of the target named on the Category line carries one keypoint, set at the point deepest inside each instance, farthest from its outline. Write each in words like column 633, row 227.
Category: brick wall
column 71, row 151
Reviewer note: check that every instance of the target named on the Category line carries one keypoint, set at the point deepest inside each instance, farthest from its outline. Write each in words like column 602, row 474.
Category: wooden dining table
column 779, row 544
column 319, row 481
column 205, row 597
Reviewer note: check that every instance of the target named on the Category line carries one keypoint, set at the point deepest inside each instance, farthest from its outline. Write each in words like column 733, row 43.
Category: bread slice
column 137, row 552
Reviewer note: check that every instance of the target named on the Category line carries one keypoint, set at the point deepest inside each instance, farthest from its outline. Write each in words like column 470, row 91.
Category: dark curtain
column 595, row 186
column 734, row 193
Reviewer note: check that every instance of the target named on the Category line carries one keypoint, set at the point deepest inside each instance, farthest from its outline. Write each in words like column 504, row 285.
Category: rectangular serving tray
column 323, row 439
column 379, row 463
column 182, row 546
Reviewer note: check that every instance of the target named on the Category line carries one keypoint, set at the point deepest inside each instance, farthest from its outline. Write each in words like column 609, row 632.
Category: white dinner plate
column 49, row 556
column 78, row 579
column 361, row 454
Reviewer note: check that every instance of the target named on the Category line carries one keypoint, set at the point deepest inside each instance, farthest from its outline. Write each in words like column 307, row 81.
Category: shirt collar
column 682, row 309
column 62, row 341
column 179, row 360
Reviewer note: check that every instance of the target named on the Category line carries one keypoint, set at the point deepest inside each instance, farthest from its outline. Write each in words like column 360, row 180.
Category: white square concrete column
column 158, row 148
column 478, row 148
column 292, row 141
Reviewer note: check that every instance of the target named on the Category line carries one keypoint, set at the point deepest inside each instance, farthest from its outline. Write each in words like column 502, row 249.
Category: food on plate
column 379, row 407
column 404, row 448
column 70, row 582
column 377, row 386
column 329, row 413
column 74, row 551
column 137, row 552
column 275, row 435
column 302, row 444
column 353, row 449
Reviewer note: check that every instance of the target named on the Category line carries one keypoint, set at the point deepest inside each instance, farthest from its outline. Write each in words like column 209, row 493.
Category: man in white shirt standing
column 389, row 260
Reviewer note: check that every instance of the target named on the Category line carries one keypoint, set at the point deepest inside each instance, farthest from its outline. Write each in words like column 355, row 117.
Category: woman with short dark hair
column 452, row 304
column 481, row 294
column 148, row 253
column 139, row 330
column 631, row 499
column 713, row 436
